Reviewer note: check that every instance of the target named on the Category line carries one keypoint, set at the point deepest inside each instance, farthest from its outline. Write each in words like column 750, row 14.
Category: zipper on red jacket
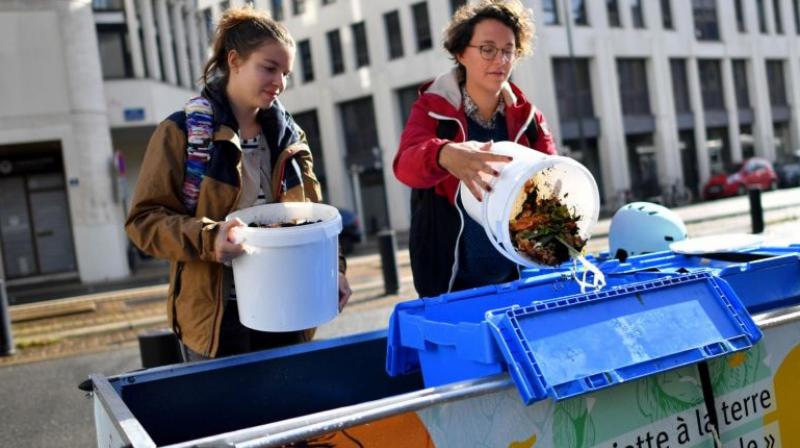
column 527, row 123
column 445, row 117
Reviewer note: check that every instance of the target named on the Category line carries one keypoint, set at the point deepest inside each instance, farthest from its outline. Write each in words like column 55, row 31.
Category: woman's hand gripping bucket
column 556, row 177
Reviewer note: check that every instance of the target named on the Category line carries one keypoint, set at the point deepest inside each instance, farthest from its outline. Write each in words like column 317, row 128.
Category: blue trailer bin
column 640, row 324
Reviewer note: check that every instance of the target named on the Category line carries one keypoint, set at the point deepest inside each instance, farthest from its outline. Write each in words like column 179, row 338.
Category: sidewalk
column 155, row 272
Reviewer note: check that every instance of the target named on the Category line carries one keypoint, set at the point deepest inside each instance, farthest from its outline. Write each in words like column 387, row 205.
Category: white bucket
column 289, row 277
column 564, row 177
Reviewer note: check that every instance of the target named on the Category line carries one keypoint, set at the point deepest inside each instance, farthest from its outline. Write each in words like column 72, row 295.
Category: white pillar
column 179, row 34
column 339, row 190
column 165, row 39
column 97, row 222
column 134, row 42
column 762, row 109
column 696, row 100
column 194, row 45
column 149, row 34
column 793, row 92
column 729, row 91
column 606, row 97
column 666, row 133
column 389, row 129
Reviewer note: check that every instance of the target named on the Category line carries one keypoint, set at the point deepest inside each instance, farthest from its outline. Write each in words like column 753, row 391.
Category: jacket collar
column 275, row 122
column 448, row 86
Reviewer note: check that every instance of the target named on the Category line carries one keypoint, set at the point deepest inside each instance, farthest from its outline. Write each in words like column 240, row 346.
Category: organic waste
column 545, row 229
column 293, row 223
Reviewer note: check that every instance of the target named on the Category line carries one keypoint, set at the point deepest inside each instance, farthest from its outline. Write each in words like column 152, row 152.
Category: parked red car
column 755, row 172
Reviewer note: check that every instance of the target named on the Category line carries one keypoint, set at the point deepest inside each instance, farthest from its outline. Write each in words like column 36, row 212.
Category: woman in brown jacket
column 233, row 147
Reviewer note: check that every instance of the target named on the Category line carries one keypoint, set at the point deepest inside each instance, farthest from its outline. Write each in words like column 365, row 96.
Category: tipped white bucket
column 561, row 176
column 289, row 278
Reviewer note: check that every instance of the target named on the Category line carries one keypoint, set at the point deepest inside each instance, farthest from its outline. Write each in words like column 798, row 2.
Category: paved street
column 42, row 407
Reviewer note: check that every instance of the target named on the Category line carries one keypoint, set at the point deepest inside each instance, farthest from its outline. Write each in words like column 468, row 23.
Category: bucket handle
column 598, row 278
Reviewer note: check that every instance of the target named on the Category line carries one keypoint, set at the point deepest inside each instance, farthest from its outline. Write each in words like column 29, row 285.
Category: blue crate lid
column 581, row 343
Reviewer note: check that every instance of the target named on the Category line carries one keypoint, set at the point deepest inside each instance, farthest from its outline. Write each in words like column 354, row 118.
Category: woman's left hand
column 344, row 291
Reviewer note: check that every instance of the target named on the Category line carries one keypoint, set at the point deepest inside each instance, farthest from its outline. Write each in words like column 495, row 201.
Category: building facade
column 653, row 96
column 80, row 97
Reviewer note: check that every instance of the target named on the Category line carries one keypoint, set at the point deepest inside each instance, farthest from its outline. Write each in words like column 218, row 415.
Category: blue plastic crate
column 585, row 342
column 448, row 336
column 764, row 278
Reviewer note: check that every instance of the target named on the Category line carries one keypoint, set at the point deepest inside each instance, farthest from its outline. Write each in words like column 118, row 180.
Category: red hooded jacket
column 437, row 118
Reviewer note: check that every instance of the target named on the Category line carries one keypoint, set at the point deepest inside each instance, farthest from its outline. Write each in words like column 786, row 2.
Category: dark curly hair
column 511, row 13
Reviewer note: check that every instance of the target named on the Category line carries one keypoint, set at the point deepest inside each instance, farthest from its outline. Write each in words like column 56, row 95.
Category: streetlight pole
column 574, row 76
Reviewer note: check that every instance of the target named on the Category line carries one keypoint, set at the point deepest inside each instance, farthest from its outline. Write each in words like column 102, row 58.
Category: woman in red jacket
column 448, row 139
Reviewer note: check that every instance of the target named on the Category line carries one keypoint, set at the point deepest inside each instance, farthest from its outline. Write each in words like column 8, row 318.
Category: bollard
column 159, row 348
column 387, row 245
column 6, row 340
column 756, row 211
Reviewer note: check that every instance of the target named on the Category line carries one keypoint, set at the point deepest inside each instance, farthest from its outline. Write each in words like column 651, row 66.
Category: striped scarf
column 199, row 137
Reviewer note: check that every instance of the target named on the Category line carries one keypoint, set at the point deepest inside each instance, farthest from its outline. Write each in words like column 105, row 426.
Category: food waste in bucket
column 540, row 209
column 545, row 229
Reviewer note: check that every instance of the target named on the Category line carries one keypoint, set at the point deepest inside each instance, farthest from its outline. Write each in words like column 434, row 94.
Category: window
column 298, row 7
column 108, row 5
column 309, row 123
column 405, row 99
column 740, row 84
column 666, row 14
column 306, row 63
column 711, row 84
column 777, row 83
column 741, row 25
column 573, row 89
column 115, row 60
column 778, row 14
column 455, row 4
column 796, row 16
column 550, row 12
column 762, row 16
column 680, row 86
column 422, row 26
column 208, row 22
column 277, row 10
column 706, row 26
column 612, row 6
column 637, row 13
column 360, row 41
column 633, row 86
column 335, row 50
column 394, row 35
column 579, row 16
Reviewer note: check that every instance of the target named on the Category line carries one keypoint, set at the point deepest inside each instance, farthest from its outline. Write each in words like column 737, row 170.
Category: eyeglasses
column 488, row 52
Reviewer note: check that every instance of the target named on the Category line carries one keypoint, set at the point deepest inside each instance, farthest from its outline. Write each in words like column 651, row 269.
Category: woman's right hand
column 225, row 249
column 468, row 160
